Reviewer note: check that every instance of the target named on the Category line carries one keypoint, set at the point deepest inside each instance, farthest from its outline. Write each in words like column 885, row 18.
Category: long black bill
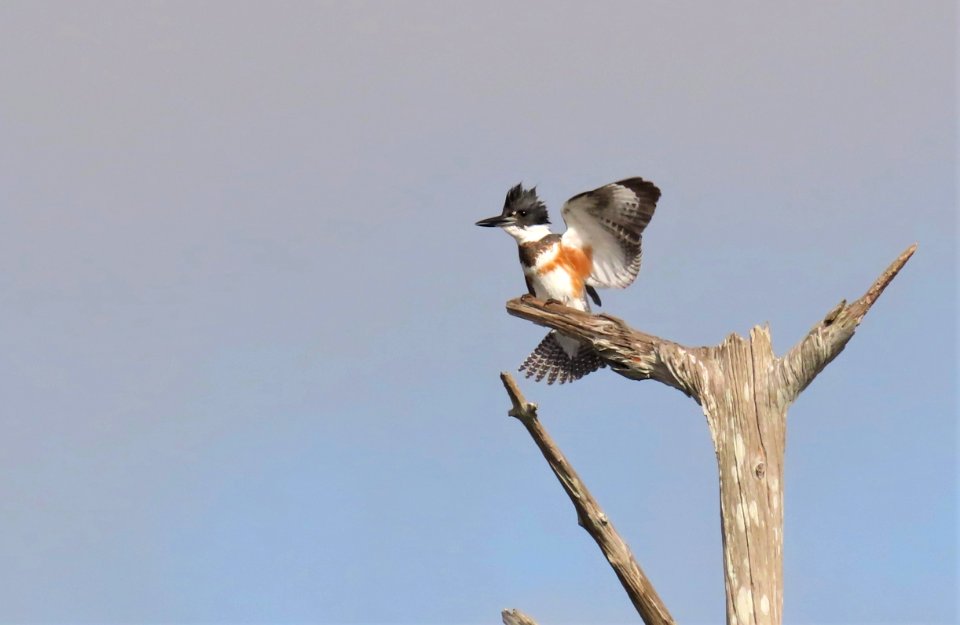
column 493, row 222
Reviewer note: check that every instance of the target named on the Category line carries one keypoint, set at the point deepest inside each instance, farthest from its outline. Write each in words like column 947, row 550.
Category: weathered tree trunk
column 739, row 398
column 744, row 390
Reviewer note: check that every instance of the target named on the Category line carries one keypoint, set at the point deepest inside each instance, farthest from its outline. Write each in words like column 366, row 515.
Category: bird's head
column 522, row 210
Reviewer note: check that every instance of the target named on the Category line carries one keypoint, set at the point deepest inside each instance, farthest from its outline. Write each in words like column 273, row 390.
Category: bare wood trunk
column 746, row 423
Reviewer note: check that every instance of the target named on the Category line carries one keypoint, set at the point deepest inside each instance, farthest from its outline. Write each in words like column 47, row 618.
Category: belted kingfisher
column 600, row 248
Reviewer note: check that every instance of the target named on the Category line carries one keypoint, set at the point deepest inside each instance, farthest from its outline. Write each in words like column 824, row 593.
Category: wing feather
column 610, row 221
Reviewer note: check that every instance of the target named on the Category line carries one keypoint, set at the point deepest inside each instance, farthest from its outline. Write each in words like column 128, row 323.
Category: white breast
column 554, row 283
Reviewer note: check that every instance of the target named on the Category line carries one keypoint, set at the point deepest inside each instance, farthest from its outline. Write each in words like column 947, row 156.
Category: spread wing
column 610, row 221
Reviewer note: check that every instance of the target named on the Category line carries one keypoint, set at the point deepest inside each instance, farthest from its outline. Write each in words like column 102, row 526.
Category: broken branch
column 826, row 339
column 589, row 514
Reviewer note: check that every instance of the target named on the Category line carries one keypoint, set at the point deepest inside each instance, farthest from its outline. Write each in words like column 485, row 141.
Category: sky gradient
column 250, row 338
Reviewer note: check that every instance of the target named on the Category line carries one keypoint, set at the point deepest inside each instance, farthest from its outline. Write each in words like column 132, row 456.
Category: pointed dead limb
column 827, row 339
column 589, row 514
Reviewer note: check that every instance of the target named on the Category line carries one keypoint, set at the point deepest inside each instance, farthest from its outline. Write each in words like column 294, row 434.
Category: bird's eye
column 523, row 213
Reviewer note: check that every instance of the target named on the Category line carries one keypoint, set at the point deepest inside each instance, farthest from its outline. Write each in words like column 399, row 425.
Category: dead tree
column 744, row 390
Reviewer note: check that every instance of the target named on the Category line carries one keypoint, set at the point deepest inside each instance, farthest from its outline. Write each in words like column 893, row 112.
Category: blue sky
column 250, row 336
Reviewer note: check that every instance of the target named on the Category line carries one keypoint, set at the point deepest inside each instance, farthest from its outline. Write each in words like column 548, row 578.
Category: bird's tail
column 560, row 358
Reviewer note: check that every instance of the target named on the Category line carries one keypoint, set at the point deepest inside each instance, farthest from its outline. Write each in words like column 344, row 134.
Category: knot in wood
column 760, row 470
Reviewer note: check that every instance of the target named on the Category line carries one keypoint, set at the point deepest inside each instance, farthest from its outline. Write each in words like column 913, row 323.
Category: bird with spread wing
column 601, row 247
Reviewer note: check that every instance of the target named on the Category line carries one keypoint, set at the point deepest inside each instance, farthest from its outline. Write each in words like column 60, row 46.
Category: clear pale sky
column 250, row 336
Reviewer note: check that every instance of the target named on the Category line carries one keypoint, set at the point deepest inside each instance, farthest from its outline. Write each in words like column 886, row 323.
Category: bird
column 600, row 248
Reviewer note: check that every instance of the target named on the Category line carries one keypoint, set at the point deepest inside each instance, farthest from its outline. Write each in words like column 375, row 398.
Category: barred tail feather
column 551, row 361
